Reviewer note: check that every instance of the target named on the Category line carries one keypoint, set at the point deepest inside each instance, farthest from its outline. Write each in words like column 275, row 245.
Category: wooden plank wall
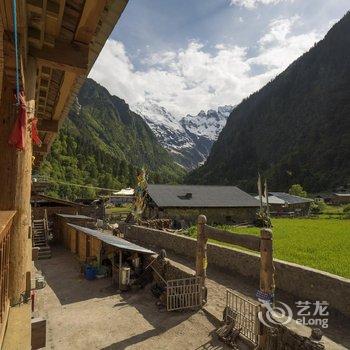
column 82, row 246
column 96, row 246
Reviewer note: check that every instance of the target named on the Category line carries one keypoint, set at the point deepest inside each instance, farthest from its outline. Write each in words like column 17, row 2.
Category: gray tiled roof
column 291, row 199
column 188, row 196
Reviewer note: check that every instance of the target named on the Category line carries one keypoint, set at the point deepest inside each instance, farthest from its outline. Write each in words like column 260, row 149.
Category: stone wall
column 302, row 282
column 214, row 215
column 167, row 270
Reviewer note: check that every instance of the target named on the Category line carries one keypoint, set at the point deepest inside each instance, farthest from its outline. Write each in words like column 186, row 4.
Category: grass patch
column 117, row 210
column 323, row 244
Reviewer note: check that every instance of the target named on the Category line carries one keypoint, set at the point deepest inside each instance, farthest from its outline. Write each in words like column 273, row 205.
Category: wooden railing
column 262, row 244
column 5, row 226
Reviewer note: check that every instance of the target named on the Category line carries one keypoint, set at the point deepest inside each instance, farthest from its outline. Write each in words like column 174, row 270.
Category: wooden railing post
column 267, row 279
column 201, row 252
column 267, row 270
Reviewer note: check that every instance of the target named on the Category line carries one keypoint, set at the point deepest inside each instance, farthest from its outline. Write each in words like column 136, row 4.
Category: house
column 183, row 204
column 275, row 203
column 41, row 203
column 340, row 198
column 283, row 203
column 126, row 195
column 47, row 49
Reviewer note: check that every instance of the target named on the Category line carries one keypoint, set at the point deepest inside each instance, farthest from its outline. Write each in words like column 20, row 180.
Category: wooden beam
column 6, row 14
column 88, row 21
column 242, row 240
column 2, row 66
column 62, row 4
column 65, row 90
column 36, row 6
column 64, row 56
column 48, row 125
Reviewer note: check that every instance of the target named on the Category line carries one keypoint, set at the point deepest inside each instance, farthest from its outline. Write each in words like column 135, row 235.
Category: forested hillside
column 103, row 143
column 294, row 130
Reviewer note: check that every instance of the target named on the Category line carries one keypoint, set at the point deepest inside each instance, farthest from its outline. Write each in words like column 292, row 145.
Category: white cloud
column 278, row 47
column 191, row 79
column 252, row 4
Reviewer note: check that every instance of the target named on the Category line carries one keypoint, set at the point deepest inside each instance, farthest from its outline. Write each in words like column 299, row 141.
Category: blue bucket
column 90, row 273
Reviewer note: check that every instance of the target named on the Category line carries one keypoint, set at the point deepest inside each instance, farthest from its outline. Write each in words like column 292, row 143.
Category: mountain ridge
column 188, row 139
column 293, row 130
column 104, row 144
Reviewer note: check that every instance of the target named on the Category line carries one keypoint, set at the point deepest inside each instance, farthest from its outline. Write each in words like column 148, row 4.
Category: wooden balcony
column 5, row 225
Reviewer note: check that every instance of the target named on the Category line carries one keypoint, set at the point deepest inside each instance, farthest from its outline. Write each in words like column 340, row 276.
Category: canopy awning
column 113, row 240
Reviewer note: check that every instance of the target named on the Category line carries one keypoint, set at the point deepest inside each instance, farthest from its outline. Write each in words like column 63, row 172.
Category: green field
column 323, row 244
column 117, row 210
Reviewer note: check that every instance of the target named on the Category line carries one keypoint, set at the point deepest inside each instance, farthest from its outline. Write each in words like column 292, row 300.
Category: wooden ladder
column 40, row 238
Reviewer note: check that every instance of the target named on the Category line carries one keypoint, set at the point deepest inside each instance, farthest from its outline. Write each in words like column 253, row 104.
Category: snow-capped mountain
column 188, row 139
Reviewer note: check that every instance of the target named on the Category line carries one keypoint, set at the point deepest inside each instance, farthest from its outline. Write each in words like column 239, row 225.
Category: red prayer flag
column 35, row 135
column 18, row 132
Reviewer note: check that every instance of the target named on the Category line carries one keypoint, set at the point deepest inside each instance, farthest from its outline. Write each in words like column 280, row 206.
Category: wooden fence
column 262, row 244
column 6, row 218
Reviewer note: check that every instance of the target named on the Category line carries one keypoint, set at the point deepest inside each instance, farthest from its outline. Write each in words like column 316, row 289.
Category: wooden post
column 201, row 252
column 267, row 280
column 15, row 185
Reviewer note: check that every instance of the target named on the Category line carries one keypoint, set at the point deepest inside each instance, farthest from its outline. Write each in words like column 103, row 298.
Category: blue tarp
column 112, row 240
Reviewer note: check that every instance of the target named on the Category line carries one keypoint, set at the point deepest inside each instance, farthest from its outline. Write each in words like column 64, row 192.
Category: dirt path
column 84, row 314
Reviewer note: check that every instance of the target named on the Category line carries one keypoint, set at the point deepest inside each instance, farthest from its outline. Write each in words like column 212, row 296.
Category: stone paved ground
column 90, row 315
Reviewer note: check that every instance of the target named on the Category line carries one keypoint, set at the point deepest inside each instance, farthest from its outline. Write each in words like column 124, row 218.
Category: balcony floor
column 18, row 331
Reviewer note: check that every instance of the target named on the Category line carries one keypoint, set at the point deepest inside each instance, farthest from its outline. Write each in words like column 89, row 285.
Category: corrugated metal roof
column 71, row 216
column 291, row 199
column 200, row 196
column 113, row 240
column 125, row 192
column 272, row 200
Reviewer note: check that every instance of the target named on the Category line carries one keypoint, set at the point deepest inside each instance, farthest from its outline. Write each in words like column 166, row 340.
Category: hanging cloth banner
column 17, row 137
column 35, row 134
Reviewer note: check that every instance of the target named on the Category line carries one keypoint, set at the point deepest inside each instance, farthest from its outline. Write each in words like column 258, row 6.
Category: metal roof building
column 291, row 199
column 198, row 196
column 183, row 204
column 114, row 241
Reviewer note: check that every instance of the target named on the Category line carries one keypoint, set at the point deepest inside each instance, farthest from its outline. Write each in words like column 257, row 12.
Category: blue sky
column 188, row 55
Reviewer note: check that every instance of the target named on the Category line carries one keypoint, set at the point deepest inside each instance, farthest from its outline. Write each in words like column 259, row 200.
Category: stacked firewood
column 159, row 224
column 229, row 334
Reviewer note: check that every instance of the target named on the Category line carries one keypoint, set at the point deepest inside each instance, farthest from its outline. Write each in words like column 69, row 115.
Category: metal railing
column 184, row 293
column 244, row 314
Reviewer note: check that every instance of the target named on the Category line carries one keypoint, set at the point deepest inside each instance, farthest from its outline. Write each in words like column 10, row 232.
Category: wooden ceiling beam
column 89, row 20
column 64, row 56
column 47, row 125
column 62, row 4
column 68, row 81
column 6, row 14
column 36, row 6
